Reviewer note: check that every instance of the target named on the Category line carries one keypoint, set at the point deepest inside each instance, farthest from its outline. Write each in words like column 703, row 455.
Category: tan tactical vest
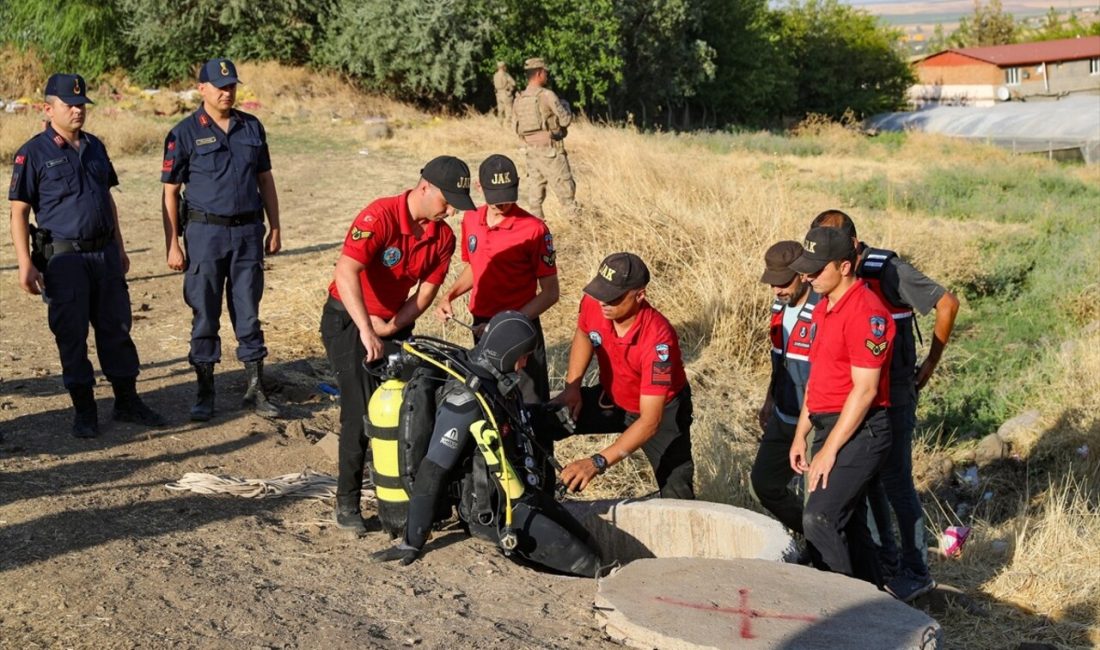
column 528, row 111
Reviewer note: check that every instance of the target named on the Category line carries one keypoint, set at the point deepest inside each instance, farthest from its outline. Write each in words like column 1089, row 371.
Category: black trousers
column 835, row 518
column 90, row 288
column 534, row 381
column 345, row 352
column 668, row 451
column 771, row 474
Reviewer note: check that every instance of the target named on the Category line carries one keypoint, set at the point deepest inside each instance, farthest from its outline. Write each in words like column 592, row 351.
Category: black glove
column 403, row 552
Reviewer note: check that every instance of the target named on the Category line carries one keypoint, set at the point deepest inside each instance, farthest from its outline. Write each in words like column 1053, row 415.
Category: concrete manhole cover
column 746, row 603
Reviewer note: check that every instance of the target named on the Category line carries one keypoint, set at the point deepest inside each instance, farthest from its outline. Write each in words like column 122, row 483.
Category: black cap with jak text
column 499, row 180
column 619, row 273
column 452, row 177
column 821, row 246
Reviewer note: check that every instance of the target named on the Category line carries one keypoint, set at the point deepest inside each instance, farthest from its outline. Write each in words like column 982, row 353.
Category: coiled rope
column 307, row 484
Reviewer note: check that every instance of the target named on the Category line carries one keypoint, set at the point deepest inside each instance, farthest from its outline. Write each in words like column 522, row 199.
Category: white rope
column 307, row 483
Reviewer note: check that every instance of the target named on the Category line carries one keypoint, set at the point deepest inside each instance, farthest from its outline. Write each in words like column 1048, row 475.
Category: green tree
column 170, row 39
column 1053, row 28
column 80, row 36
column 844, row 60
column 754, row 81
column 988, row 25
column 664, row 59
column 430, row 50
column 580, row 41
column 938, row 42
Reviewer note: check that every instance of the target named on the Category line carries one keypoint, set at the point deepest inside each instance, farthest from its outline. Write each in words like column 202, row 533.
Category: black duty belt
column 58, row 246
column 242, row 219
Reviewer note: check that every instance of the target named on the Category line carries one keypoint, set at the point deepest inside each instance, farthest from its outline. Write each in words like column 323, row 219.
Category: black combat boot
column 254, row 397
column 203, row 409
column 128, row 405
column 349, row 517
column 86, row 419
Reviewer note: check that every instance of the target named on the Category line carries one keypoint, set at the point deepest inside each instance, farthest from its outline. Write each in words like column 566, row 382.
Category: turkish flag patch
column 172, row 146
column 662, row 373
column 20, row 159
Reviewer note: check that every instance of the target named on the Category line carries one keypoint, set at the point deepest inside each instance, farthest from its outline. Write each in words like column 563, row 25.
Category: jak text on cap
column 619, row 273
column 452, row 177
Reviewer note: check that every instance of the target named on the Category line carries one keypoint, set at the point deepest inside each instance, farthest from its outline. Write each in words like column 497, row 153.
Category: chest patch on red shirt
column 391, row 256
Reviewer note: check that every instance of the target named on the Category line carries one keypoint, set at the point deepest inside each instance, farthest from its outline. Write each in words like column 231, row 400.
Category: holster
column 40, row 240
column 181, row 217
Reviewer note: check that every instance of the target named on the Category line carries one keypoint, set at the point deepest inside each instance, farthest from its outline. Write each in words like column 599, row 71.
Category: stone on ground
column 624, row 531
column 689, row 603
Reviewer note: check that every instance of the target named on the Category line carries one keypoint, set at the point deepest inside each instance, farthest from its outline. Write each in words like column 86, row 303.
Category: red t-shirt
column 646, row 361
column 858, row 331
column 381, row 238
column 507, row 259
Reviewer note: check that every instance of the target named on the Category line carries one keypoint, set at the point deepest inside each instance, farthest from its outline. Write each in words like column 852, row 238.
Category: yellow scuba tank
column 488, row 441
column 384, row 415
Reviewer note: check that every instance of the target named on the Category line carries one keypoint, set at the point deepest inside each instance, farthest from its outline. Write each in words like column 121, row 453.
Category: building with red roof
column 983, row 76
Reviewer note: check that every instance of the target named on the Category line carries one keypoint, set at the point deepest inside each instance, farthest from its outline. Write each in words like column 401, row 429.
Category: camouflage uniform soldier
column 505, row 86
column 541, row 119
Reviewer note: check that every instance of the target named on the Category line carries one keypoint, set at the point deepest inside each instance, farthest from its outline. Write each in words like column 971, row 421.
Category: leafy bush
column 425, row 50
column 79, row 36
column 170, row 39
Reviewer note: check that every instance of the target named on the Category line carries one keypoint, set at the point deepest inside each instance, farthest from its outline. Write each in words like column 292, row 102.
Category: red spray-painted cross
column 744, row 611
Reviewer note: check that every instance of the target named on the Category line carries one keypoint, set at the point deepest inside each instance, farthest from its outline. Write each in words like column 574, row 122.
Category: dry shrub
column 17, row 128
column 124, row 132
column 22, row 75
column 301, row 93
column 1032, row 554
column 1054, row 571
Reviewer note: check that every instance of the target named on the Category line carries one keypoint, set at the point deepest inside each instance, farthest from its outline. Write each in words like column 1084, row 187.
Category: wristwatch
column 600, row 462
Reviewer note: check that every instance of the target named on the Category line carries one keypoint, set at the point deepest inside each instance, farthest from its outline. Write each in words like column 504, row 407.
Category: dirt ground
column 95, row 552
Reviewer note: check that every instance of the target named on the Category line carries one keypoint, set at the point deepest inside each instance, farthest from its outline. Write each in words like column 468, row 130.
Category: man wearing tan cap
column 789, row 333
column 505, row 87
column 540, row 120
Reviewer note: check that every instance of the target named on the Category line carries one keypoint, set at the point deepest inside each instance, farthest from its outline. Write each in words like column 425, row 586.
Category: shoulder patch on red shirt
column 878, row 327
column 876, row 348
column 357, row 234
column 662, row 373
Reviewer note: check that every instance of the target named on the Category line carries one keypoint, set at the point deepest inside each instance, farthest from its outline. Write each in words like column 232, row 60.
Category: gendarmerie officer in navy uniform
column 221, row 155
column 78, row 261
